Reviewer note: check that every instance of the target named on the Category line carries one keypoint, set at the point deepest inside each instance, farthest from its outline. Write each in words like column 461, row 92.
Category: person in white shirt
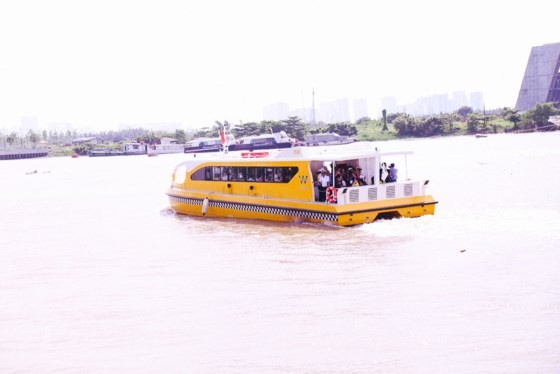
column 323, row 182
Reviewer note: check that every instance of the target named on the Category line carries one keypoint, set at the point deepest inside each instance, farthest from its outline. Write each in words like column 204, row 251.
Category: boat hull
column 281, row 210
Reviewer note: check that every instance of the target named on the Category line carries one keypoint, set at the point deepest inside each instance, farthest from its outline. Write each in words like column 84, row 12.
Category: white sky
column 101, row 64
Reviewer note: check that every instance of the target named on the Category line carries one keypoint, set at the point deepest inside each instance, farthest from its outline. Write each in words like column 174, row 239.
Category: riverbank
column 15, row 154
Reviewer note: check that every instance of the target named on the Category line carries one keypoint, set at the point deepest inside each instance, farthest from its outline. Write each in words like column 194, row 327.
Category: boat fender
column 331, row 195
column 205, row 206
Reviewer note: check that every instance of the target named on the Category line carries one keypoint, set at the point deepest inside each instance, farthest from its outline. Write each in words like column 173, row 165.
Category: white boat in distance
column 327, row 139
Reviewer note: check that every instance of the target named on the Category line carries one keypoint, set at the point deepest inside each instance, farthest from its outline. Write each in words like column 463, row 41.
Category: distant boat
column 327, row 139
column 481, row 136
column 131, row 149
column 203, row 145
column 105, row 152
column 275, row 140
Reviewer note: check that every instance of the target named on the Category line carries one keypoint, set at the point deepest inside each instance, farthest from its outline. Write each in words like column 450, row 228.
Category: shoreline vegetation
column 390, row 126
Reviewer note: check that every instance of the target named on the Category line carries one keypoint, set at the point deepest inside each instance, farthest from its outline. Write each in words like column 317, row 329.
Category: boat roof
column 335, row 153
column 275, row 135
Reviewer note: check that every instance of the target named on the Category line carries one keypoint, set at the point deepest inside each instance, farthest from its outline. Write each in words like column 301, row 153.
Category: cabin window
column 216, row 173
column 180, row 174
column 233, row 174
column 278, row 174
column 269, row 175
column 202, row 174
column 251, row 174
column 242, row 174
column 260, row 175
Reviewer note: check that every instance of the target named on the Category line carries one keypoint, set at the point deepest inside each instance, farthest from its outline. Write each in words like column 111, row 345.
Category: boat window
column 202, row 174
column 217, row 173
column 225, row 173
column 242, row 174
column 233, row 174
column 260, row 175
column 289, row 173
column 269, row 175
column 278, row 174
column 251, row 174
column 180, row 174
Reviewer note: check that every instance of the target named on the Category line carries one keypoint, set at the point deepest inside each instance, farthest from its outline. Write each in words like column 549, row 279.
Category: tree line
column 391, row 125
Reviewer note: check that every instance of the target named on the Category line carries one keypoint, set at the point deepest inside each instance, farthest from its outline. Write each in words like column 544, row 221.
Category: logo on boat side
column 303, row 179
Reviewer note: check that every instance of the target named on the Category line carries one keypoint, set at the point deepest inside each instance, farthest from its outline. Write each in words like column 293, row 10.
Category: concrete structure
column 16, row 154
column 541, row 82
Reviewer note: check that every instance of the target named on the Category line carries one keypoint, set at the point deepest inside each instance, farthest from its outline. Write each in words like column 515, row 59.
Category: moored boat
column 280, row 186
column 327, row 139
column 275, row 140
column 203, row 145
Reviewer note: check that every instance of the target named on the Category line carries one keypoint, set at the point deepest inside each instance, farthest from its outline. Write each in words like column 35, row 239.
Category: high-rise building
column 541, row 82
column 477, row 101
column 334, row 111
column 360, row 109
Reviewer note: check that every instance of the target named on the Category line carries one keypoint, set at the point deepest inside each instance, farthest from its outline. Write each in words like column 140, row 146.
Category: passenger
column 383, row 173
column 338, row 181
column 316, row 185
column 351, row 178
column 323, row 181
column 361, row 177
column 393, row 173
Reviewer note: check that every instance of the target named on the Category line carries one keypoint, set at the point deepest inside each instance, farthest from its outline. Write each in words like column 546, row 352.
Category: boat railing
column 361, row 194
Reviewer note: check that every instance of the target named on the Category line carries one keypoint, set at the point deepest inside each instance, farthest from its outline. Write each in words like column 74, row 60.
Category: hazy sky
column 101, row 64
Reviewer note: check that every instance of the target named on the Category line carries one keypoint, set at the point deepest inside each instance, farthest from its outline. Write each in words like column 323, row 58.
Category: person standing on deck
column 323, row 181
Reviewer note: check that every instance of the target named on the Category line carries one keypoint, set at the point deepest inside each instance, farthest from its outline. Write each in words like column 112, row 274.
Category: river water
column 97, row 276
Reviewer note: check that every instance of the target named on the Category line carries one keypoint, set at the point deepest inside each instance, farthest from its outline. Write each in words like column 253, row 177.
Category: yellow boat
column 280, row 185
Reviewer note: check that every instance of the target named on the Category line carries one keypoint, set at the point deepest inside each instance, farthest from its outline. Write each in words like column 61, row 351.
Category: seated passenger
column 393, row 173
column 339, row 182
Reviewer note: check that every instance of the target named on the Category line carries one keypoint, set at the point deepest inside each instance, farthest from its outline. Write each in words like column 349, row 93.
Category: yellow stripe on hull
column 238, row 206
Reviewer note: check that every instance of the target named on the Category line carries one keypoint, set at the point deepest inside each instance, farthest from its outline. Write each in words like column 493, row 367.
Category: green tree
column 464, row 111
column 32, row 137
column 538, row 116
column 405, row 125
column 149, row 138
column 12, row 138
column 512, row 116
column 180, row 136
column 477, row 123
column 295, row 128
column 342, row 128
column 363, row 120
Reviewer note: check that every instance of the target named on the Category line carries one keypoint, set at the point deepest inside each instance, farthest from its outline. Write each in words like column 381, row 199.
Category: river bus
column 280, row 185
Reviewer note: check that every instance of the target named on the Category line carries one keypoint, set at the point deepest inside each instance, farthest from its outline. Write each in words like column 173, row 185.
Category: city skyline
column 114, row 64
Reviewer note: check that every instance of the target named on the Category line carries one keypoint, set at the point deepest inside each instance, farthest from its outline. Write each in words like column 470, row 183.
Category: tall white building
column 459, row 99
column 359, row 109
column 389, row 104
column 477, row 101
column 334, row 111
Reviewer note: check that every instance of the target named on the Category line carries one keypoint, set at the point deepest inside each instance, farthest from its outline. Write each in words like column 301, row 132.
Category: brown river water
column 98, row 276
